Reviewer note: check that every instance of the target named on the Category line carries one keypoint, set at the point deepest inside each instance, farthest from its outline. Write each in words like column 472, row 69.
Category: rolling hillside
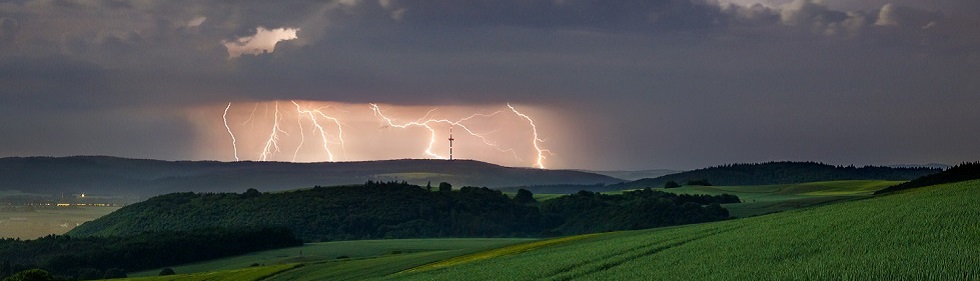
column 961, row 172
column 924, row 234
column 779, row 173
column 112, row 176
column 765, row 199
column 397, row 210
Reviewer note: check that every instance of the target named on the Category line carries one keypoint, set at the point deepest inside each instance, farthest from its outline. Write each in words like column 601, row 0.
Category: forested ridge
column 962, row 172
column 113, row 176
column 779, row 173
column 400, row 210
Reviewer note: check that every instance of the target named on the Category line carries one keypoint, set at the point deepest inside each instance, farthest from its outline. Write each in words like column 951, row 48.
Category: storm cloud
column 634, row 84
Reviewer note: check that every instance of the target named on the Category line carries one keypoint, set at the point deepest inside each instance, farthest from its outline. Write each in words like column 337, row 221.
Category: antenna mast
column 451, row 143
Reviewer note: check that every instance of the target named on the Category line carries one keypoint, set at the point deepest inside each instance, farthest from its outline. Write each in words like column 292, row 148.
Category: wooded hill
column 400, row 210
column 778, row 173
column 111, row 176
column 962, row 172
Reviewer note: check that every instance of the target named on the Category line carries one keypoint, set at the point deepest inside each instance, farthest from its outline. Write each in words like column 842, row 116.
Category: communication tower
column 451, row 143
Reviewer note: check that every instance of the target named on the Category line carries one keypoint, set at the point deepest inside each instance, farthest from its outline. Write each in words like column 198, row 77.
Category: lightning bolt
column 331, row 131
column 312, row 114
column 426, row 123
column 537, row 140
column 252, row 115
column 302, row 136
column 234, row 142
column 273, row 141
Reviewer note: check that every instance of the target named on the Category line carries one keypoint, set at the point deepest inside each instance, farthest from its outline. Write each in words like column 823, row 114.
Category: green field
column 765, row 199
column 243, row 274
column 926, row 234
column 41, row 221
column 364, row 258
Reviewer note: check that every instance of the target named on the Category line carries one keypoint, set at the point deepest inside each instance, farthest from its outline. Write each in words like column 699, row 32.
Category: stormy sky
column 610, row 84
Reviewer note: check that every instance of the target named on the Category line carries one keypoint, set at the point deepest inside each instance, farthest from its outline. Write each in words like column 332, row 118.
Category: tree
column 524, row 197
column 89, row 274
column 252, row 193
column 428, row 186
column 33, row 274
column 166, row 271
column 114, row 273
column 445, row 187
column 671, row 184
column 5, row 270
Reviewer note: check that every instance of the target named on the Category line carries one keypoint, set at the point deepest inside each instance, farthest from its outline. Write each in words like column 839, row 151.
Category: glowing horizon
column 321, row 131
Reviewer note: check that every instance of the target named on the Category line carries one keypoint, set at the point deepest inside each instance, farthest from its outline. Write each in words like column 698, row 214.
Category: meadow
column 930, row 233
column 766, row 199
column 348, row 259
column 21, row 222
column 242, row 274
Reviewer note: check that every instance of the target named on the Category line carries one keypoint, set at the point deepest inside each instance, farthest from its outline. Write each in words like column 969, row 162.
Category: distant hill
column 111, row 176
column 635, row 175
column 930, row 165
column 398, row 210
column 958, row 173
column 779, row 173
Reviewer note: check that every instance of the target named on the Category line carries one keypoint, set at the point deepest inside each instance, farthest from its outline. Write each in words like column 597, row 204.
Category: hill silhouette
column 112, row 176
column 780, row 173
column 962, row 172
column 399, row 210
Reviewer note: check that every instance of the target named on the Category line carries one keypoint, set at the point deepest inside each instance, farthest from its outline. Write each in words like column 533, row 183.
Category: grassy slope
column 46, row 220
column 765, row 199
column 243, row 274
column 320, row 259
column 930, row 233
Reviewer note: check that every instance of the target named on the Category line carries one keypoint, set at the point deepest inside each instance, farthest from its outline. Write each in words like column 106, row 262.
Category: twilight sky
column 609, row 84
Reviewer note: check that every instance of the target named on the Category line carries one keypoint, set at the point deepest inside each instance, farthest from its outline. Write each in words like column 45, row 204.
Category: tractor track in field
column 613, row 260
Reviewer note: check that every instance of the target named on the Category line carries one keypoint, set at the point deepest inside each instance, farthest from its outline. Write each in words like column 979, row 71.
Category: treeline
column 562, row 188
column 780, row 173
column 96, row 257
column 586, row 212
column 399, row 210
column 962, row 172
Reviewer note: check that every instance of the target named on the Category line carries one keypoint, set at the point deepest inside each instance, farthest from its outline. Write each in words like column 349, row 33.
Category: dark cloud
column 619, row 15
column 663, row 83
column 8, row 30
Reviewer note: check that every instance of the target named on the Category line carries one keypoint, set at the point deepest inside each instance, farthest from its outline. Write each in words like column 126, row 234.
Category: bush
column 671, row 184
column 524, row 197
column 33, row 274
column 166, row 271
column 113, row 273
column 445, row 187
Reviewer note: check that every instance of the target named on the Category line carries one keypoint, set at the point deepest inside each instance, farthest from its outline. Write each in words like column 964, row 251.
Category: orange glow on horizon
column 273, row 131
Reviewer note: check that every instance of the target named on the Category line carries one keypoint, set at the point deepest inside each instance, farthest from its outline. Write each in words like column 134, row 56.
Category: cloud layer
column 630, row 84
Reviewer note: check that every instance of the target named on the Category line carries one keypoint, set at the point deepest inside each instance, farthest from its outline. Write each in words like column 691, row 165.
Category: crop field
column 243, row 274
column 929, row 233
column 22, row 223
column 765, row 199
column 352, row 257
